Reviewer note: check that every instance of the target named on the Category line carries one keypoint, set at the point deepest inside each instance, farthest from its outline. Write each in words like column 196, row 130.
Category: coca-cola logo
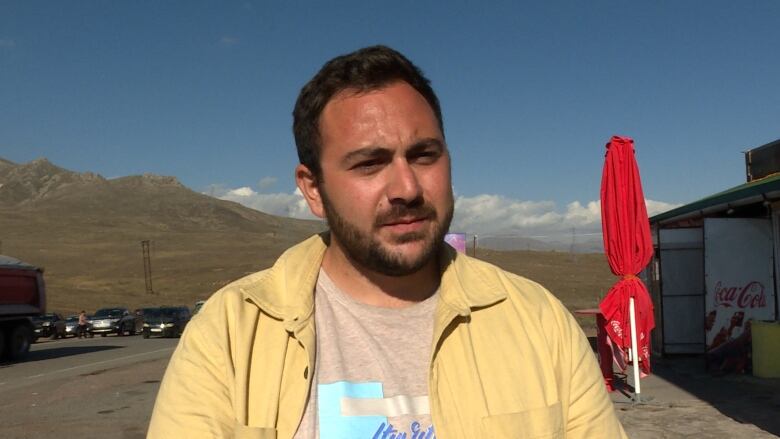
column 749, row 296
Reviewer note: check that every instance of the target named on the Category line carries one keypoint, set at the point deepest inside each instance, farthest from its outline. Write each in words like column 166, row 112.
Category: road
column 105, row 388
column 100, row 387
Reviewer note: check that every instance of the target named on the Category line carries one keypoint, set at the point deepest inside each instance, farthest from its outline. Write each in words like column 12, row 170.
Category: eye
column 425, row 157
column 368, row 166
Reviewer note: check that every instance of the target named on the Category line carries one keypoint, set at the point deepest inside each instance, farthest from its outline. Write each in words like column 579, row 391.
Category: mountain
column 86, row 231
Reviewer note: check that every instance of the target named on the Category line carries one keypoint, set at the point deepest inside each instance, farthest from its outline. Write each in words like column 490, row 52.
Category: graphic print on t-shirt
column 360, row 410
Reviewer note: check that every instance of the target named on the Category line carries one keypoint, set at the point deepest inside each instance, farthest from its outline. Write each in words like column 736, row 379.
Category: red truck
column 22, row 296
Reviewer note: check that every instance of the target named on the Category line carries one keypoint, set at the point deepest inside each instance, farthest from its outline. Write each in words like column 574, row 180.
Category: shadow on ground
column 65, row 351
column 742, row 397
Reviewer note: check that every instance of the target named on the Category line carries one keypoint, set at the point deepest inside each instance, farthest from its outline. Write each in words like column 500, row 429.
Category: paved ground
column 682, row 400
column 105, row 388
column 88, row 388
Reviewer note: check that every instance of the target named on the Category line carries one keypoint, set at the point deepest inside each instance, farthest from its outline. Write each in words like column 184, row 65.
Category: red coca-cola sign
column 749, row 296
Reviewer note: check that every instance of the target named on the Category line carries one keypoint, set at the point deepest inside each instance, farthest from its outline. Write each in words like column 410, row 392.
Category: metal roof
column 765, row 189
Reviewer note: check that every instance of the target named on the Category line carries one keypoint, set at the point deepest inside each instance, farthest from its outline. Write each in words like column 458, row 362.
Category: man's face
column 385, row 186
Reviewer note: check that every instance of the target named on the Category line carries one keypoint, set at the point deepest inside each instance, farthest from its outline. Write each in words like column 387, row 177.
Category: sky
column 530, row 91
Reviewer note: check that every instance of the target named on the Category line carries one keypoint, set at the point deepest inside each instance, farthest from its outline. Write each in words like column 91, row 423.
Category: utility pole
column 147, row 266
column 475, row 246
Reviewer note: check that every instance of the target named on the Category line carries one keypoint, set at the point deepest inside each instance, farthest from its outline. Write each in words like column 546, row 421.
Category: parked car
column 50, row 325
column 114, row 321
column 166, row 321
column 71, row 326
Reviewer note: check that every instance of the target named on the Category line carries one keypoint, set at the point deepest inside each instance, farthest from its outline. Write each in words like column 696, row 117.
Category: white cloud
column 241, row 192
column 498, row 215
column 283, row 204
column 485, row 215
column 656, row 207
column 266, row 182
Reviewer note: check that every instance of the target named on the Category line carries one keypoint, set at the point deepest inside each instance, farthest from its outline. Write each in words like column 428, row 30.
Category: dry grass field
column 86, row 232
column 95, row 270
column 579, row 280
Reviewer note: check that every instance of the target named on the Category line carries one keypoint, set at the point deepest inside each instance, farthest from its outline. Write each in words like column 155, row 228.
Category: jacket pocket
column 541, row 423
column 243, row 432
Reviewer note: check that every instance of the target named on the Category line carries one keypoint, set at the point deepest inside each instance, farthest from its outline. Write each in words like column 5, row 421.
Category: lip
column 403, row 221
column 405, row 225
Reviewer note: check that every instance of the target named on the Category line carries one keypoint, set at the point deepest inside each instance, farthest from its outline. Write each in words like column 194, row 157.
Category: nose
column 403, row 185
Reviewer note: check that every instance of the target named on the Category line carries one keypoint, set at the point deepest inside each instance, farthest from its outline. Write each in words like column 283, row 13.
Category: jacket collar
column 286, row 290
column 467, row 283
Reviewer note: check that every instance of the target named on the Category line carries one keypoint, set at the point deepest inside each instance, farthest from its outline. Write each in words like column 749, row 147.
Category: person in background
column 82, row 329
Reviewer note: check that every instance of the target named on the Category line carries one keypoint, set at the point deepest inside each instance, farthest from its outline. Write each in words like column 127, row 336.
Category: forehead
column 394, row 112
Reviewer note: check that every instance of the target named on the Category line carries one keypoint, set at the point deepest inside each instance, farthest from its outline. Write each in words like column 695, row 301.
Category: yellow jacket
column 508, row 360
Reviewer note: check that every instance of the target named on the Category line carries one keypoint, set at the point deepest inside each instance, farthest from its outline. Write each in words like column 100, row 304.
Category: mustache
column 400, row 211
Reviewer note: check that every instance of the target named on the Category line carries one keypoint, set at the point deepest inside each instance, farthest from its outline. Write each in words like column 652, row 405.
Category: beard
column 366, row 250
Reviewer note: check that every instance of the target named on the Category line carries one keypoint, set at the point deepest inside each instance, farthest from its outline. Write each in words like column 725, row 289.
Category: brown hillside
column 86, row 231
column 579, row 280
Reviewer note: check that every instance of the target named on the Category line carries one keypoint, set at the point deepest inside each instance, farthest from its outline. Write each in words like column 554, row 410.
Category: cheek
column 355, row 199
column 438, row 186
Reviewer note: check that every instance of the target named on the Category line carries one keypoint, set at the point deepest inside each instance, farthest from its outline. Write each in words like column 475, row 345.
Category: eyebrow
column 378, row 151
column 364, row 153
column 427, row 143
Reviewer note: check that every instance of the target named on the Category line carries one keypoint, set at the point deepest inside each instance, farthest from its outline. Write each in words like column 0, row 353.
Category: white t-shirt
column 371, row 374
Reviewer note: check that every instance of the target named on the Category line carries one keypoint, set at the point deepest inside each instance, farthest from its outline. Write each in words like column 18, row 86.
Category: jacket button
column 306, row 373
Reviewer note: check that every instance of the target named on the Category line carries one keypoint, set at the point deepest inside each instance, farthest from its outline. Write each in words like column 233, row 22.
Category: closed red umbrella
column 628, row 248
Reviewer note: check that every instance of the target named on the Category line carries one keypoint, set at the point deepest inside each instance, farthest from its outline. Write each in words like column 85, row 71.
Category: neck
column 377, row 289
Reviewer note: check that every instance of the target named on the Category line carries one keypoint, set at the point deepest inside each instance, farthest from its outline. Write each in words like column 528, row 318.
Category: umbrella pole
column 634, row 351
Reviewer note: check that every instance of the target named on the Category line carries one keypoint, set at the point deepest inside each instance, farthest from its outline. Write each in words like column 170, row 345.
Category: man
column 378, row 329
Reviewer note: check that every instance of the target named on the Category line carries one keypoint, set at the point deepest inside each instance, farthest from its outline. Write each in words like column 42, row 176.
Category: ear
column 308, row 184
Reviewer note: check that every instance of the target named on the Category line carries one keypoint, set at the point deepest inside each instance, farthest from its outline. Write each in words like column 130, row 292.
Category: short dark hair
column 366, row 69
